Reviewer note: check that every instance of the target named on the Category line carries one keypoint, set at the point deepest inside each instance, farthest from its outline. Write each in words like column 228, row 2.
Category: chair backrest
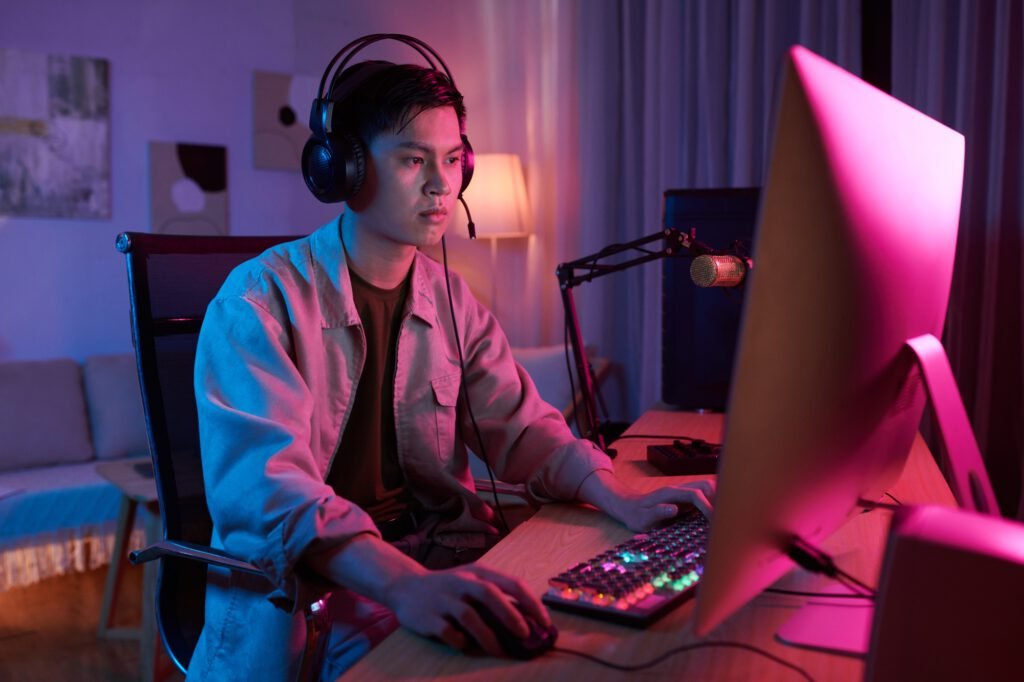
column 171, row 280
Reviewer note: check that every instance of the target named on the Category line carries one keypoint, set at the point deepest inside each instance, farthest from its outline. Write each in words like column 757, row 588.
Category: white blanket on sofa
column 58, row 519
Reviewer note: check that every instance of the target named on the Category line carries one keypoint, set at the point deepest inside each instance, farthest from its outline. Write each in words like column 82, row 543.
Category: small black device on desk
column 685, row 457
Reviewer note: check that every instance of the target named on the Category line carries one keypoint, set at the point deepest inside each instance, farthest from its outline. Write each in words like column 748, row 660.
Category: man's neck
column 381, row 262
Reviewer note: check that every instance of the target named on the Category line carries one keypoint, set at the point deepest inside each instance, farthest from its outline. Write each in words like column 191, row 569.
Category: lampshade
column 497, row 197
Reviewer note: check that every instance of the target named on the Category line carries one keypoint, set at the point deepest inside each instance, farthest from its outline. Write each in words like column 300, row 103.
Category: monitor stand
column 835, row 626
column 962, row 463
column 845, row 628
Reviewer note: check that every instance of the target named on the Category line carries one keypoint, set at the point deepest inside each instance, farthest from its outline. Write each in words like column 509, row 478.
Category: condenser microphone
column 719, row 271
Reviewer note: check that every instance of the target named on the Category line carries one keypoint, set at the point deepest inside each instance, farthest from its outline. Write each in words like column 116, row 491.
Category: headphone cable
column 465, row 391
column 471, row 227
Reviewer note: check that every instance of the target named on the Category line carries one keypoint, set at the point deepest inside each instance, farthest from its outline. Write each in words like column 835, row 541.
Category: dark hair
column 377, row 96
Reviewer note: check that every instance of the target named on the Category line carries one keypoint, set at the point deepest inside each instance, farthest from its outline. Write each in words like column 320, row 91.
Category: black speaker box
column 950, row 602
column 700, row 326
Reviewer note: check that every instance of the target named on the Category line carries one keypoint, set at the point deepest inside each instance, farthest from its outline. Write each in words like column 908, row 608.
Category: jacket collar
column 334, row 287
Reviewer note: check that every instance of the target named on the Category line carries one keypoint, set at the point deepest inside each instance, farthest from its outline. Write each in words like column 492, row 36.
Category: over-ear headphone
column 334, row 160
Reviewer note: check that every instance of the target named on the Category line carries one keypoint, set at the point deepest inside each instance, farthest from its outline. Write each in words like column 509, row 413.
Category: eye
column 454, row 160
column 414, row 160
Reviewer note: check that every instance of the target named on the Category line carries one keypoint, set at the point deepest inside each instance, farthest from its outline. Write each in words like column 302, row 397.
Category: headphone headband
column 359, row 44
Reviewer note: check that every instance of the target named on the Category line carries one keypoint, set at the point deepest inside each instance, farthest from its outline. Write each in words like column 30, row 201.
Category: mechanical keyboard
column 640, row 580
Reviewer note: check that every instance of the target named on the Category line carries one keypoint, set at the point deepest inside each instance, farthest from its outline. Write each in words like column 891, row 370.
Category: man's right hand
column 438, row 604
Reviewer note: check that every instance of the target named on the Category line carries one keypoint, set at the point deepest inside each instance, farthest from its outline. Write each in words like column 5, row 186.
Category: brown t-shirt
column 366, row 469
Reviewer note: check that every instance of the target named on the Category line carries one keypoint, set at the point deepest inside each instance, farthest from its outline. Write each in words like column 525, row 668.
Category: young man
column 333, row 429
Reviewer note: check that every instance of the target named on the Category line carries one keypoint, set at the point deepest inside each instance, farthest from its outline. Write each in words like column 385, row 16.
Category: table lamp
column 501, row 208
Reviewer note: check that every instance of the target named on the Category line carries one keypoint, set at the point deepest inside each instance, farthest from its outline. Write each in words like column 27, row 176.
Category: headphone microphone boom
column 720, row 270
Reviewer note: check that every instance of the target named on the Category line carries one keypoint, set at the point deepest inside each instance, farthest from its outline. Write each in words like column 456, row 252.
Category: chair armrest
column 187, row 550
column 483, row 485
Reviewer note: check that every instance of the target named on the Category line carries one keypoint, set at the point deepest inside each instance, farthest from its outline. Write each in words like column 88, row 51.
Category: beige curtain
column 676, row 95
column 961, row 62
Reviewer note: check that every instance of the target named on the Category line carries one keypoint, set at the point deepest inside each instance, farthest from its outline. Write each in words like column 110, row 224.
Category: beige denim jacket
column 280, row 354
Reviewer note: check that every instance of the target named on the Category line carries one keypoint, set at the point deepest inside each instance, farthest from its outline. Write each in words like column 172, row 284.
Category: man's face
column 412, row 180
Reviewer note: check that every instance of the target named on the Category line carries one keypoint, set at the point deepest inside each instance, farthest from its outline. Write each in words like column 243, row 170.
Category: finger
column 451, row 635
column 701, row 502
column 666, row 511
column 518, row 590
column 706, row 486
column 652, row 517
column 486, row 512
column 468, row 617
column 684, row 496
column 500, row 604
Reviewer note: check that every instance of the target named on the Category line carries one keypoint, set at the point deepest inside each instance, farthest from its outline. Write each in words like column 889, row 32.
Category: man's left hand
column 642, row 511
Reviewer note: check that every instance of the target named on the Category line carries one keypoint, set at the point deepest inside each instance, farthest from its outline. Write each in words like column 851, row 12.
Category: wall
column 182, row 71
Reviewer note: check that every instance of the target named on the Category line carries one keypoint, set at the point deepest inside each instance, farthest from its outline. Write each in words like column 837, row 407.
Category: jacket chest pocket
column 446, row 396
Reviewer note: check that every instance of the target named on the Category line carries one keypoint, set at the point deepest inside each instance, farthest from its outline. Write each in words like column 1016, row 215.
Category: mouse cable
column 465, row 394
column 871, row 505
column 684, row 648
column 830, row 595
column 666, row 436
column 816, row 560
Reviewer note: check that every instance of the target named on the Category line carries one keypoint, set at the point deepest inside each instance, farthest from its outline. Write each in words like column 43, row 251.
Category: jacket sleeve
column 525, row 439
column 266, row 495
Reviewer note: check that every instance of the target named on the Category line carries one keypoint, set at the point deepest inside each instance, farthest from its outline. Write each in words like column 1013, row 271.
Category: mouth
column 436, row 214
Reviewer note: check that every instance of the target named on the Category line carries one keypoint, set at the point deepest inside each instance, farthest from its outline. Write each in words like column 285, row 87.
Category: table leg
column 119, row 559
column 149, row 638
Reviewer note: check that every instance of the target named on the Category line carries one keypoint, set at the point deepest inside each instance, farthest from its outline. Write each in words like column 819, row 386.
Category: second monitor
column 700, row 327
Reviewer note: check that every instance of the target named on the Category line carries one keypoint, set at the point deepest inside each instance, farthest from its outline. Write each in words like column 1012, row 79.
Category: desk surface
column 560, row 535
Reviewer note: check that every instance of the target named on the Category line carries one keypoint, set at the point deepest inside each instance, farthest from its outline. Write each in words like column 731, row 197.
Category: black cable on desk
column 684, row 648
column 660, row 436
column 893, row 498
column 830, row 595
column 817, row 561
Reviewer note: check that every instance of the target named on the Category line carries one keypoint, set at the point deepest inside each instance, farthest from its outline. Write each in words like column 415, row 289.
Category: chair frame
column 184, row 561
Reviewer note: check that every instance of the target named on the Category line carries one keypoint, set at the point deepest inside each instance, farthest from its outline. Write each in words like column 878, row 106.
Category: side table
column 134, row 479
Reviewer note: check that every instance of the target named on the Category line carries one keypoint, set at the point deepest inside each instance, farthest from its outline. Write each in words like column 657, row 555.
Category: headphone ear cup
column 467, row 163
column 334, row 172
column 318, row 169
column 354, row 168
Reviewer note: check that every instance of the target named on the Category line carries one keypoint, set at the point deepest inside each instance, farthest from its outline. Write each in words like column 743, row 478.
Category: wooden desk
column 562, row 535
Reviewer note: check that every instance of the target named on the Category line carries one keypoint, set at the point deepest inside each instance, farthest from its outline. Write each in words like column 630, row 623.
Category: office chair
column 171, row 279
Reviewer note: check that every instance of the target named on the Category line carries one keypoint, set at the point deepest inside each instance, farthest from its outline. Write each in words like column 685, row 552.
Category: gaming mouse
column 537, row 642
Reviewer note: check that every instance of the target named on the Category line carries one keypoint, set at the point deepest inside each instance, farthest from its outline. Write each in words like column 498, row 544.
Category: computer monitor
column 853, row 257
column 700, row 326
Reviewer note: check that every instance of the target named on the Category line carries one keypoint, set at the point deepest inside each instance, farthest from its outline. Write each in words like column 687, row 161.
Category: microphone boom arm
column 573, row 273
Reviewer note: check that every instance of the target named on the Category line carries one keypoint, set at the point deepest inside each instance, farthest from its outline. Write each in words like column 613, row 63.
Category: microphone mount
column 674, row 243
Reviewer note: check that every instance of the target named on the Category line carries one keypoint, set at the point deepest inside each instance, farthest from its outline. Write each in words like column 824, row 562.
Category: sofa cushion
column 43, row 421
column 115, row 406
column 547, row 367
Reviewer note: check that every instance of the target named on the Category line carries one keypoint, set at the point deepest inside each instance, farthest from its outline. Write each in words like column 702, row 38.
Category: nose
column 437, row 181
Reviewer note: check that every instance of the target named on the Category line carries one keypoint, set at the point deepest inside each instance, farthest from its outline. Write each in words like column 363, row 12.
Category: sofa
column 58, row 419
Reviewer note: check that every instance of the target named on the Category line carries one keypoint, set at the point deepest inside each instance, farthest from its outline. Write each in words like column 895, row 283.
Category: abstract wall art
column 280, row 113
column 188, row 188
column 54, row 135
